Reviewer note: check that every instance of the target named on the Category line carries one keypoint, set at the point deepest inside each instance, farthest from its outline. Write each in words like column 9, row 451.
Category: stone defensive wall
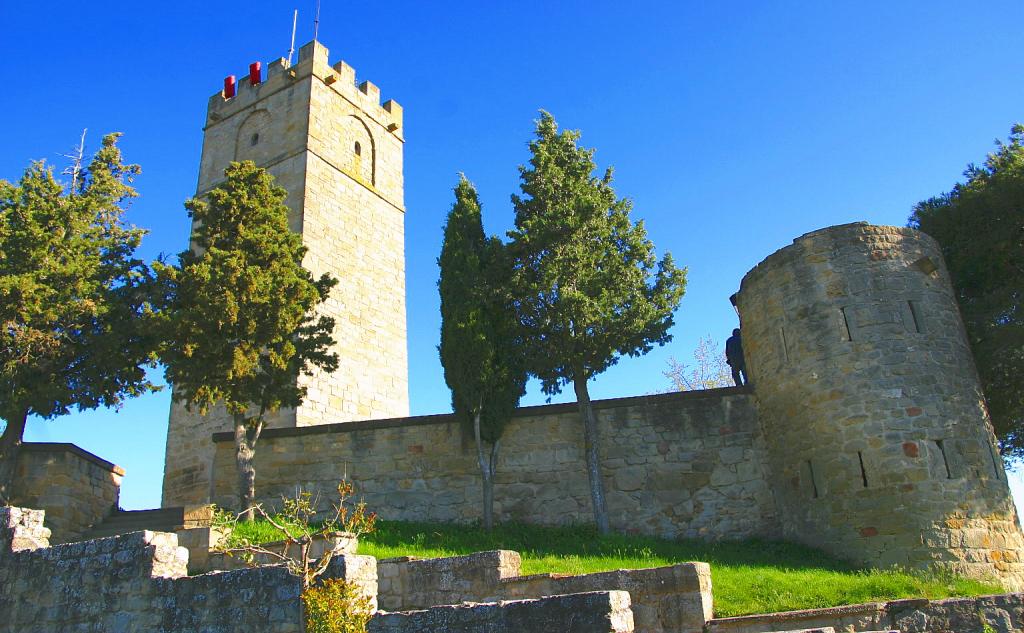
column 675, row 465
column 76, row 488
column 879, row 442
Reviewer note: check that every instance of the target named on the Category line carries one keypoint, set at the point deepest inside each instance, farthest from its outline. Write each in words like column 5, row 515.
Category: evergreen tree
column 584, row 275
column 73, row 298
column 481, row 359
column 980, row 227
column 239, row 316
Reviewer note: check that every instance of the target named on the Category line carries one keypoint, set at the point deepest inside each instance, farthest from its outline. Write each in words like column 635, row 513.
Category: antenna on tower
column 316, row 21
column 291, row 51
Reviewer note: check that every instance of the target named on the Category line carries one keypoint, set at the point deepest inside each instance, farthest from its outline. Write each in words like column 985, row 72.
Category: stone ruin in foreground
column 139, row 582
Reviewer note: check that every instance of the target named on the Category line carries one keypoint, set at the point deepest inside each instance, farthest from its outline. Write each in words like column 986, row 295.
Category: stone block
column 596, row 612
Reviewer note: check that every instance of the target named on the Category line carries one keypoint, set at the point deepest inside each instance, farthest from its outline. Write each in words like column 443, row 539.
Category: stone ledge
column 772, row 621
column 66, row 447
column 592, row 612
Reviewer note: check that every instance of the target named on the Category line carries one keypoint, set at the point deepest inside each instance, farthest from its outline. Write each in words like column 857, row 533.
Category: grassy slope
column 749, row 576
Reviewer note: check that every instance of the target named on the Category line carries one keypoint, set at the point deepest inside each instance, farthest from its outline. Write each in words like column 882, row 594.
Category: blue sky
column 734, row 127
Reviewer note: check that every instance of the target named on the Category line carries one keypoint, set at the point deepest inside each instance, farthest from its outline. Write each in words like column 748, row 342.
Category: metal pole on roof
column 291, row 51
column 316, row 21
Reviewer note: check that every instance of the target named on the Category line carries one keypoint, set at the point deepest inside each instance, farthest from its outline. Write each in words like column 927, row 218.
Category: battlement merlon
column 313, row 63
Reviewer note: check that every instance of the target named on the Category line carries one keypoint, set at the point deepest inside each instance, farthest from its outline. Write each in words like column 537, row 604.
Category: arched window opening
column 358, row 149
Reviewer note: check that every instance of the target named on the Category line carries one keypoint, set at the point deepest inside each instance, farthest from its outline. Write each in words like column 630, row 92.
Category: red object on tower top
column 229, row 86
column 254, row 74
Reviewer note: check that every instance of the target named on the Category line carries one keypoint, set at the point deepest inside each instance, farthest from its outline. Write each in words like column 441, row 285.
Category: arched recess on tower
column 360, row 150
column 252, row 141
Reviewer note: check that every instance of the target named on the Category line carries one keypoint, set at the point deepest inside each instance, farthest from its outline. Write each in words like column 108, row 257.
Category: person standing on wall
column 734, row 356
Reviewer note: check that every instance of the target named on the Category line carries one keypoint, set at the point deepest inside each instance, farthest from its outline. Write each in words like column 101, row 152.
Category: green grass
column 750, row 576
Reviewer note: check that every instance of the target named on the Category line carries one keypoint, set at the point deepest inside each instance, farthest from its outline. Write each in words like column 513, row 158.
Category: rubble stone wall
column 675, row 465
column 137, row 582
column 76, row 488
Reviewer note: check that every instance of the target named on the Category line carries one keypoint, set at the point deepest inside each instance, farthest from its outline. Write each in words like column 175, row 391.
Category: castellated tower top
column 309, row 107
column 313, row 62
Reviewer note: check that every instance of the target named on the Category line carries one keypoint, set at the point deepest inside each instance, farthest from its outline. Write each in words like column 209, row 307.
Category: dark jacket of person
column 734, row 351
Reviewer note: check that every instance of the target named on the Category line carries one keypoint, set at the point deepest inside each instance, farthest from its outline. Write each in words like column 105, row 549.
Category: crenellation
column 276, row 67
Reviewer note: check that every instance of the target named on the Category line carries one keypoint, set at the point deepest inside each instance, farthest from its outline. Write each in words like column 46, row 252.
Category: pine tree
column 584, row 279
column 481, row 359
column 74, row 299
column 239, row 323
column 980, row 226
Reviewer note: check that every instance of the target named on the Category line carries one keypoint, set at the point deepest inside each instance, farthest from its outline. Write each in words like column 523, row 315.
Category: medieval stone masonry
column 338, row 152
column 865, row 432
column 880, row 445
column 137, row 583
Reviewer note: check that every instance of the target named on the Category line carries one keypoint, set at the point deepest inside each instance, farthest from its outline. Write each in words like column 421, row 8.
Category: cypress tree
column 479, row 351
column 587, row 285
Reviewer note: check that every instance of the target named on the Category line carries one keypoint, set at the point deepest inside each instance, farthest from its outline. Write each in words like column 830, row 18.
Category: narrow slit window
column 814, row 484
column 945, row 460
column 863, row 472
column 358, row 149
column 254, row 139
column 846, row 324
column 785, row 344
column 995, row 462
column 915, row 316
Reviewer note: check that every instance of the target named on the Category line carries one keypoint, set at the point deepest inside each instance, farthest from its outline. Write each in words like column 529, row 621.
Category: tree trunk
column 593, row 442
column 10, row 448
column 487, row 472
column 492, row 466
column 245, row 450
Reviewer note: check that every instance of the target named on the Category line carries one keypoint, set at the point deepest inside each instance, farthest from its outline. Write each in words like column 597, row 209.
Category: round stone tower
column 881, row 447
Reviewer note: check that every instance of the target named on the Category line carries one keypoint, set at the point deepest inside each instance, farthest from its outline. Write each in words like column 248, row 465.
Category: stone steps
column 125, row 521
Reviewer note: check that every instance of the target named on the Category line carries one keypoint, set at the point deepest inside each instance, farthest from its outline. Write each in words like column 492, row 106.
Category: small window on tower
column 254, row 139
column 358, row 149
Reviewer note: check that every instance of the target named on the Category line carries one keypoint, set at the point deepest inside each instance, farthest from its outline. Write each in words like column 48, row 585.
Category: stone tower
column 879, row 439
column 338, row 152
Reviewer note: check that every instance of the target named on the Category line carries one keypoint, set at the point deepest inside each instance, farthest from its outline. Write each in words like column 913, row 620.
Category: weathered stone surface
column 597, row 612
column 881, row 447
column 1002, row 613
column 338, row 152
column 75, row 488
column 671, row 599
column 425, row 468
column 137, row 583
